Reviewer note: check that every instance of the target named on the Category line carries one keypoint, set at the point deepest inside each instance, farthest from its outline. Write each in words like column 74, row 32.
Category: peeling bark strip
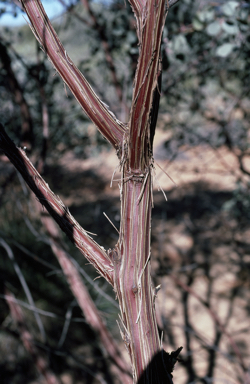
column 95, row 254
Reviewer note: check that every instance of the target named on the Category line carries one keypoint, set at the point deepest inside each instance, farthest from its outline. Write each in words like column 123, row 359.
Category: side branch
column 83, row 297
column 110, row 127
column 107, row 51
column 95, row 254
column 147, row 73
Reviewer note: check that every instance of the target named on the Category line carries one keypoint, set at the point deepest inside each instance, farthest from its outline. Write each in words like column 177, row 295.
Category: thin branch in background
column 29, row 253
column 45, row 114
column 167, row 174
column 27, row 135
column 192, row 374
column 47, row 240
column 170, row 3
column 30, row 226
column 39, row 359
column 70, row 9
column 76, row 359
column 214, row 315
column 25, row 287
column 66, row 325
column 83, row 298
column 113, row 225
column 30, row 307
column 77, row 362
column 108, row 54
column 93, row 283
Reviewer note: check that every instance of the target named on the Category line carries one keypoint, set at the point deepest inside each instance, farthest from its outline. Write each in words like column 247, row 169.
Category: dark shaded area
column 160, row 368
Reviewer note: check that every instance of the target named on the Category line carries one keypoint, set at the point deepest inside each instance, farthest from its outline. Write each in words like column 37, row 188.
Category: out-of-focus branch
column 170, row 3
column 108, row 54
column 25, row 287
column 27, row 137
column 110, row 127
column 192, row 375
column 88, row 247
column 42, row 237
column 82, row 296
column 215, row 317
column 31, row 308
column 45, row 115
column 70, row 8
column 39, row 359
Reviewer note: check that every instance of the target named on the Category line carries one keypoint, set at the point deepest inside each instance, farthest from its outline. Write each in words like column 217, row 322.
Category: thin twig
column 113, row 225
column 166, row 174
column 66, row 325
column 25, row 287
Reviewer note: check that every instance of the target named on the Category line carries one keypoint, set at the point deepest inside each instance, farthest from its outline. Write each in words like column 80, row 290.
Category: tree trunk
column 127, row 267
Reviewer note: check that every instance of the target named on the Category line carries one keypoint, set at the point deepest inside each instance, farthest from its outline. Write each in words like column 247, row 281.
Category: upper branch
column 95, row 254
column 149, row 33
column 110, row 127
column 107, row 51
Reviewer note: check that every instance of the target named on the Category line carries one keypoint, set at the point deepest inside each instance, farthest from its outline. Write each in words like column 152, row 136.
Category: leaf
column 214, row 28
column 180, row 44
column 229, row 8
column 243, row 16
column 197, row 24
column 131, row 37
column 206, row 15
column 231, row 29
column 224, row 50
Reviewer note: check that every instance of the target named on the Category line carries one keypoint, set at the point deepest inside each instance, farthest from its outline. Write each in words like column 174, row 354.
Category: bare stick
column 89, row 248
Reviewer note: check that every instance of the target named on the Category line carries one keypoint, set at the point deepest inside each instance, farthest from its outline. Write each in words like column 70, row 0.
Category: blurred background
column 200, row 236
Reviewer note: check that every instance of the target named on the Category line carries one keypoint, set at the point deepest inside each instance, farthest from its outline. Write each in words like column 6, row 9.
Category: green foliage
column 206, row 51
